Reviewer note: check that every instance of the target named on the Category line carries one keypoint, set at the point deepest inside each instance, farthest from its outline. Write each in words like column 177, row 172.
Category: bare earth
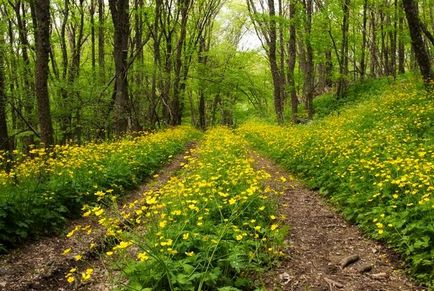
column 320, row 242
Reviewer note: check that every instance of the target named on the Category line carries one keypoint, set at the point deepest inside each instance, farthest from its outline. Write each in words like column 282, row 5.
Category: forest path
column 320, row 240
column 41, row 265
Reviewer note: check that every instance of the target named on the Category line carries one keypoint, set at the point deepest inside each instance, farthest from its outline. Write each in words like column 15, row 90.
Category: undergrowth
column 211, row 227
column 376, row 161
column 42, row 191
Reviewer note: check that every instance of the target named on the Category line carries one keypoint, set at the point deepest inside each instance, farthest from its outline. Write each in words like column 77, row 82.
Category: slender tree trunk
column 309, row 76
column 92, row 33
column 202, row 64
column 152, row 110
column 272, row 54
column 401, row 44
column 101, row 40
column 29, row 85
column 177, row 88
column 167, row 110
column 120, row 15
column 364, row 34
column 412, row 13
column 343, row 70
column 42, row 36
column 393, row 40
column 5, row 144
column 292, row 52
column 384, row 50
column 374, row 62
column 282, row 56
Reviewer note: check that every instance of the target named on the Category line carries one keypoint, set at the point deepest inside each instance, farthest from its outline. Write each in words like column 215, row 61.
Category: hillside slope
column 375, row 160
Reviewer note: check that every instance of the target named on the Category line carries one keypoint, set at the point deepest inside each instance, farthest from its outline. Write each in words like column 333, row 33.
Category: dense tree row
column 77, row 70
column 84, row 69
column 332, row 42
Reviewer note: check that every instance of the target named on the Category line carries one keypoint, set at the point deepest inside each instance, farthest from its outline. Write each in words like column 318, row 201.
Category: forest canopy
column 81, row 70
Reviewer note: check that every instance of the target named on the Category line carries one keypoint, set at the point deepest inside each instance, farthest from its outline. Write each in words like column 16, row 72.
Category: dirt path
column 41, row 265
column 320, row 240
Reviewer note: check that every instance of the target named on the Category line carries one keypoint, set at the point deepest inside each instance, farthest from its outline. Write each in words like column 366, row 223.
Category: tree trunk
column 412, row 13
column 292, row 52
column 92, row 33
column 5, row 144
column 202, row 64
column 282, row 56
column 152, row 110
column 343, row 68
column 272, row 55
column 101, row 40
column 29, row 85
column 42, row 37
column 309, row 73
column 373, row 50
column 177, row 88
column 393, row 43
column 364, row 34
column 384, row 49
column 120, row 15
column 401, row 44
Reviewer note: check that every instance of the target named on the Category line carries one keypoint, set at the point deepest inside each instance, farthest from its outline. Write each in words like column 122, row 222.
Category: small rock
column 2, row 284
column 374, row 250
column 334, row 283
column 329, row 215
column 285, row 278
column 379, row 275
column 365, row 268
column 345, row 262
column 330, row 269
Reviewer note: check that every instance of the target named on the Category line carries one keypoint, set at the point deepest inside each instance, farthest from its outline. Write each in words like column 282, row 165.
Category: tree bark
column 202, row 63
column 177, row 88
column 292, row 52
column 152, row 110
column 42, row 37
column 309, row 70
column 5, row 144
column 364, row 34
column 373, row 50
column 412, row 13
column 120, row 16
column 343, row 68
column 92, row 33
column 272, row 54
column 401, row 44
column 101, row 40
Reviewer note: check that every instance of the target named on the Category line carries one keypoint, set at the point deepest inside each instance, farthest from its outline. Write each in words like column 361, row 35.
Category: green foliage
column 40, row 193
column 375, row 160
column 211, row 226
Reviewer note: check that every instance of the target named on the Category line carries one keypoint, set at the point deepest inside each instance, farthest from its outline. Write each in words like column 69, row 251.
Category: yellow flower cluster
column 55, row 184
column 375, row 159
column 217, row 197
column 64, row 160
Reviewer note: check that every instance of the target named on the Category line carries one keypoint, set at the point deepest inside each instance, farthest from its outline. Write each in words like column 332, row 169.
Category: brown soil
column 320, row 240
column 42, row 266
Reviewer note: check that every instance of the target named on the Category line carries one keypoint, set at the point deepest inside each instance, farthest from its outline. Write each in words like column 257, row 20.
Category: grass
column 42, row 191
column 375, row 160
column 208, row 228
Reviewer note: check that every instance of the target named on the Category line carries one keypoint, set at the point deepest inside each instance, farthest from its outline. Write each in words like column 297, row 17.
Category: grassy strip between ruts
column 210, row 227
column 40, row 193
column 375, row 160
